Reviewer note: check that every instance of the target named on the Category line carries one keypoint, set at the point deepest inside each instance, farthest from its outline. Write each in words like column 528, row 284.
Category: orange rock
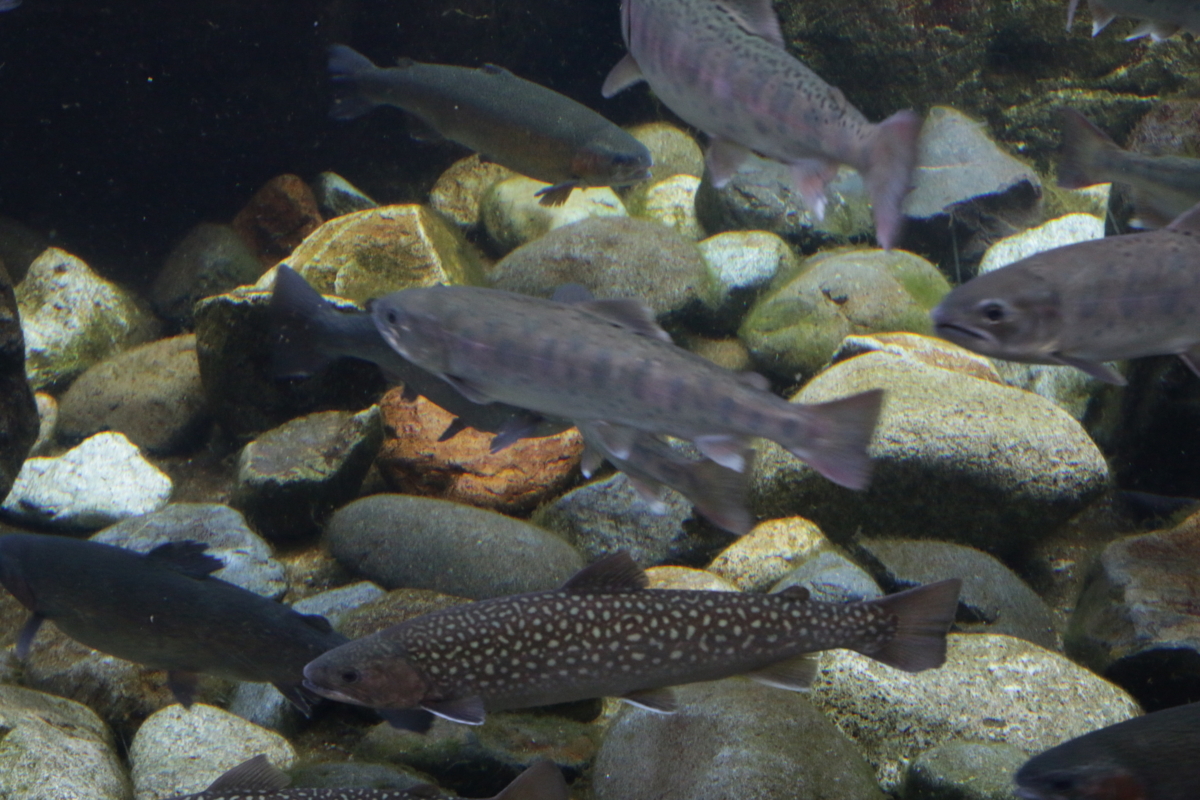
column 277, row 218
column 462, row 469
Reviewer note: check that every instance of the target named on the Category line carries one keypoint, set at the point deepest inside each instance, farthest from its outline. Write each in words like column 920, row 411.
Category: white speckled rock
column 769, row 552
column 56, row 749
column 992, row 689
column 746, row 259
column 179, row 751
column 103, row 480
column 685, row 578
column 72, row 318
column 1066, row 386
column 513, row 216
column 672, row 202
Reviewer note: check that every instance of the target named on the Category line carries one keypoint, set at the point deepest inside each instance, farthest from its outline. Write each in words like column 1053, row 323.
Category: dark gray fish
column 652, row 466
column 258, row 779
column 309, row 332
column 1163, row 186
column 722, row 66
column 1161, row 19
column 608, row 361
column 605, row 634
column 513, row 122
column 1155, row 757
column 1087, row 303
column 162, row 609
column 9, row 5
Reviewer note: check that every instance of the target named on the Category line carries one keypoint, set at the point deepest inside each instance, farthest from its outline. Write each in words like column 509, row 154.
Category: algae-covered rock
column 669, row 201
column 368, row 254
column 72, row 318
column 673, row 151
column 209, row 260
column 799, row 322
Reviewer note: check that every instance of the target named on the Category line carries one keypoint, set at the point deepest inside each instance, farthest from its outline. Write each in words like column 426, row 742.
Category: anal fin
column 724, row 158
column 810, row 176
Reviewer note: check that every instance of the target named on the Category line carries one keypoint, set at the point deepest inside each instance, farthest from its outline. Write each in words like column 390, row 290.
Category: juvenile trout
column 605, row 634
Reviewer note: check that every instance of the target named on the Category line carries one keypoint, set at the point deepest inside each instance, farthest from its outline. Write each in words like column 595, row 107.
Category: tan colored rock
column 278, row 218
column 920, row 349
column 381, row 250
column 674, row 151
column 672, row 202
column 458, row 192
column 689, row 579
column 513, row 214
column 772, row 549
column 462, row 468
column 729, row 353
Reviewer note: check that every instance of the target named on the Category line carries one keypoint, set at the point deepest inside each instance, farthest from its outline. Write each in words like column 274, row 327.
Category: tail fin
column 1082, row 145
column 891, row 158
column 346, row 67
column 542, row 781
column 721, row 496
column 296, row 313
column 924, row 615
column 839, row 432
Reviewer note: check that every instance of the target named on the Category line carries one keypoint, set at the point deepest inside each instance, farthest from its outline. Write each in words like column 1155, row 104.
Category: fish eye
column 393, row 317
column 350, row 676
column 993, row 310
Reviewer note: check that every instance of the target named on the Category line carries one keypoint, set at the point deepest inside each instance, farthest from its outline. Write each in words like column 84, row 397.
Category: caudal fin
column 891, row 158
column 297, row 311
column 924, row 615
column 347, row 66
column 1083, row 144
column 837, row 436
column 542, row 781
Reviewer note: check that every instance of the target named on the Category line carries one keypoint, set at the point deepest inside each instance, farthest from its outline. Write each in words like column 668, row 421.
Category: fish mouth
column 331, row 694
column 953, row 332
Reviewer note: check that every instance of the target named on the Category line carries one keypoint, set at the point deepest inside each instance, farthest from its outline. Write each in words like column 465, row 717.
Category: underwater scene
column 600, row 399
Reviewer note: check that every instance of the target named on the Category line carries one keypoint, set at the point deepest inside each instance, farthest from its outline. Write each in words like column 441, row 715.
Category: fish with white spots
column 603, row 633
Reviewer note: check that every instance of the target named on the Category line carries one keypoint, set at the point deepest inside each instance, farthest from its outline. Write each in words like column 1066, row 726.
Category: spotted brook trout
column 605, row 634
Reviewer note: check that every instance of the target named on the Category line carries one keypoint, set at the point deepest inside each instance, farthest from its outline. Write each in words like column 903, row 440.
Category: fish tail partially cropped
column 347, row 67
column 542, row 781
column 721, row 496
column 891, row 158
column 924, row 615
column 296, row 330
column 1083, row 145
column 837, row 435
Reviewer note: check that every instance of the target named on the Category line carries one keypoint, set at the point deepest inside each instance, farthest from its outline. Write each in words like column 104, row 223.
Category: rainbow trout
column 1155, row 757
column 258, row 779
column 605, row 634
column 162, row 609
column 1161, row 19
column 608, row 361
column 1087, row 303
column 721, row 65
column 513, row 122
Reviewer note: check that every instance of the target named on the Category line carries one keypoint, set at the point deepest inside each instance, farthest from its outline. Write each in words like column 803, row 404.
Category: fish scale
column 605, row 634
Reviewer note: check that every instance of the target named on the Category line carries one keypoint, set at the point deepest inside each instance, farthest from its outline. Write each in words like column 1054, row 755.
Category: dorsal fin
column 1188, row 221
column 615, row 574
column 186, row 557
column 756, row 17
column 494, row 69
column 542, row 781
column 628, row 313
column 257, row 773
column 795, row 592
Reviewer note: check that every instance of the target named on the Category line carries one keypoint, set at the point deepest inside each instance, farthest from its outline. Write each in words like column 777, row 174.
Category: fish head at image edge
column 612, row 161
column 411, row 330
column 357, row 674
column 1011, row 315
column 1089, row 782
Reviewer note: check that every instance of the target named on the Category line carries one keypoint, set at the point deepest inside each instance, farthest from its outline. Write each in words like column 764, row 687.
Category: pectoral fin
column 407, row 719
column 795, row 674
column 723, row 159
column 255, row 775
column 467, row 710
column 183, row 685
column 28, row 631
column 557, row 194
column 661, row 701
column 728, row 451
column 467, row 390
column 625, row 74
column 1097, row 369
column 1192, row 359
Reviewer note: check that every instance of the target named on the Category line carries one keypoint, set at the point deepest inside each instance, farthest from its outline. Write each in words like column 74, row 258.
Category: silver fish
column 722, row 66
column 516, row 123
column 605, row 634
column 607, row 360
column 1087, row 303
column 652, row 465
column 308, row 332
column 258, row 779
column 1161, row 19
column 1164, row 186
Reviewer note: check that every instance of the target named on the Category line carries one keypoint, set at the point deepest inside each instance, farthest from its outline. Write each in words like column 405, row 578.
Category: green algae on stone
column 797, row 325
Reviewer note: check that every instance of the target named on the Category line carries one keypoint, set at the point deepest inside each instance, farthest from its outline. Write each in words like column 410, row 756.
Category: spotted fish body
column 257, row 779
column 722, row 66
column 1087, row 303
column 607, row 360
column 605, row 634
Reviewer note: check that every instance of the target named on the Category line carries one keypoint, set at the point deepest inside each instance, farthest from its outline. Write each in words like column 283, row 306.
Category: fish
column 1163, row 186
column 607, row 360
column 308, row 332
column 1161, row 19
column 258, row 779
column 722, row 66
column 1087, row 303
column 652, row 466
column 9, row 5
column 513, row 122
column 1152, row 757
column 604, row 634
column 162, row 609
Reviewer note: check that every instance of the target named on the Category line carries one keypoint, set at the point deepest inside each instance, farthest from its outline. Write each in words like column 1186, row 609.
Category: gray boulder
column 210, row 259
column 964, row 771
